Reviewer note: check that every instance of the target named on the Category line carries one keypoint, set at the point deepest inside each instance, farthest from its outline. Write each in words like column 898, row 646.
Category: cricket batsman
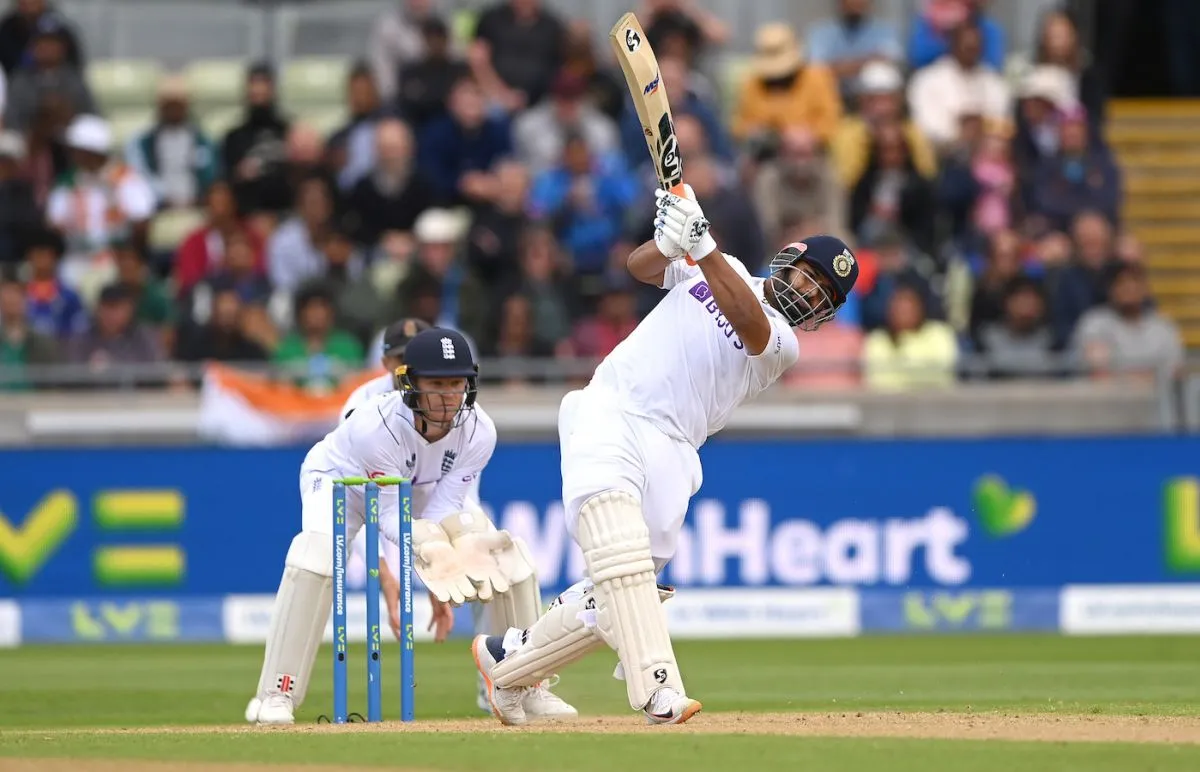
column 430, row 430
column 629, row 443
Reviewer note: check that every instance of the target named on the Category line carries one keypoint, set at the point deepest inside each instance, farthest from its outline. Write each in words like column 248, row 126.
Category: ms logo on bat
column 653, row 85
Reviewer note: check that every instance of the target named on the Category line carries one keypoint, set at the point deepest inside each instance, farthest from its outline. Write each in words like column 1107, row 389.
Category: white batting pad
column 616, row 548
column 302, row 608
column 564, row 635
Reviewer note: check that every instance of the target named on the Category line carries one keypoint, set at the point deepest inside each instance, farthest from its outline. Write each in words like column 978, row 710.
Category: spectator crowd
column 496, row 182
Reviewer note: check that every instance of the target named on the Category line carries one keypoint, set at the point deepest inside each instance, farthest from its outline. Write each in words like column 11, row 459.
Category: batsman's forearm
column 736, row 301
column 647, row 264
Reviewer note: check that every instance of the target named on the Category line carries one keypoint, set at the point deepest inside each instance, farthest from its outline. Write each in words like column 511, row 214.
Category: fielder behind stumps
column 431, row 431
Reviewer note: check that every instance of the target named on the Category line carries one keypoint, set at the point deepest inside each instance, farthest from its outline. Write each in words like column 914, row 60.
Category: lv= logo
column 28, row 543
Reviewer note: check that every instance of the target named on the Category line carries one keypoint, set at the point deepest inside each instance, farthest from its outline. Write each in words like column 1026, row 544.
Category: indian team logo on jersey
column 447, row 349
column 448, row 459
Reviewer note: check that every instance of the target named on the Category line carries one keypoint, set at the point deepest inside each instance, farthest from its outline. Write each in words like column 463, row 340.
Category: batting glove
column 684, row 223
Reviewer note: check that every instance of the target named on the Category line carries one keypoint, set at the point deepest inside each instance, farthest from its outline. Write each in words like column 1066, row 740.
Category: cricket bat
column 644, row 80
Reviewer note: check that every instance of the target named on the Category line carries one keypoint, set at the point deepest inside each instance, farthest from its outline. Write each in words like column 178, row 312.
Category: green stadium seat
column 213, row 82
column 314, row 81
column 120, row 83
column 217, row 121
column 169, row 228
column 128, row 123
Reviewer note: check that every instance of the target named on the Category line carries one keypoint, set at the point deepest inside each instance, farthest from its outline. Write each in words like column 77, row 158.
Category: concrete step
column 1191, row 336
column 1121, row 109
column 1151, row 133
column 1148, row 208
column 1150, row 184
column 1156, row 160
column 1180, row 235
column 1179, row 287
column 1182, row 310
column 1158, row 259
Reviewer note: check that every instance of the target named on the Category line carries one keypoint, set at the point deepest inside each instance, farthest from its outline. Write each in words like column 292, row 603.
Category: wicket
column 404, row 570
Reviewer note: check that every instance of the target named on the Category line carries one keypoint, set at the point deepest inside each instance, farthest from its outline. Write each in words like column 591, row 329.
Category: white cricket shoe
column 252, row 710
column 276, row 710
column 668, row 706
column 541, row 704
column 506, row 704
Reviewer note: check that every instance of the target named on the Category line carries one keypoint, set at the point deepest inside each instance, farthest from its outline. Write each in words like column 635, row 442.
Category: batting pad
column 302, row 608
column 521, row 605
column 629, row 616
column 564, row 635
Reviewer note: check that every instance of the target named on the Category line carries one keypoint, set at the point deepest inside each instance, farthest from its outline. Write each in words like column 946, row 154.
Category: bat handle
column 682, row 193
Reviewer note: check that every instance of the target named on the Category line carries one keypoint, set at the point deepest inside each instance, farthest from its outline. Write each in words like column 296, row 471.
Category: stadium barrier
column 785, row 538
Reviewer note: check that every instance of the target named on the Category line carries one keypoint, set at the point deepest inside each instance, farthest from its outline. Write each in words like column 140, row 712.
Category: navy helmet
column 398, row 335
column 829, row 256
column 437, row 353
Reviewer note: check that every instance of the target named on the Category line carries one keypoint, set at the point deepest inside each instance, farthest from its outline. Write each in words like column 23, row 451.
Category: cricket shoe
column 276, row 710
column 252, row 710
column 541, row 704
column 508, row 704
column 668, row 706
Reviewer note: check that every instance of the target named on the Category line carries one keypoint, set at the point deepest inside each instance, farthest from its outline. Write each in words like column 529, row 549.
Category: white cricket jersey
column 372, row 388
column 379, row 439
column 684, row 368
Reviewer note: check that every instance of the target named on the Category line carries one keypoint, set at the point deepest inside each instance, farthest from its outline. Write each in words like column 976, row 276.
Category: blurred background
column 209, row 210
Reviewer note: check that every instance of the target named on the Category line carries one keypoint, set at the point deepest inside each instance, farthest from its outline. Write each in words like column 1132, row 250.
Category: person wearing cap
column 19, row 212
column 1041, row 94
column 175, row 154
column 438, row 286
column 49, row 72
column 431, row 430
column 99, row 202
column 880, row 93
column 629, row 444
column 539, row 135
column 784, row 90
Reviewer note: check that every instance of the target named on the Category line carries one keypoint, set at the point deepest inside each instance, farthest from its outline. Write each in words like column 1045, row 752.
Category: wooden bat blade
column 644, row 80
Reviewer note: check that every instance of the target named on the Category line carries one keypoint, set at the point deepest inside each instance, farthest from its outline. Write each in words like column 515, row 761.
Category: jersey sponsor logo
column 448, row 459
column 447, row 348
column 702, row 292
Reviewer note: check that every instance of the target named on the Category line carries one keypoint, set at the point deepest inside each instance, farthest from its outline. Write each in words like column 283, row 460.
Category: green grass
column 144, row 686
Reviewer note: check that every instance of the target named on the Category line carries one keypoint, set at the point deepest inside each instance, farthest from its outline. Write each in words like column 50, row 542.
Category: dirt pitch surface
column 1043, row 727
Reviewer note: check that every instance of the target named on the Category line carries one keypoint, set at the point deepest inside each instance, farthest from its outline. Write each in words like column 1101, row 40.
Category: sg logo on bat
column 633, row 41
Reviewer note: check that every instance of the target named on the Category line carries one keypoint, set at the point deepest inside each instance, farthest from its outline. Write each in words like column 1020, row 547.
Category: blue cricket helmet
column 829, row 256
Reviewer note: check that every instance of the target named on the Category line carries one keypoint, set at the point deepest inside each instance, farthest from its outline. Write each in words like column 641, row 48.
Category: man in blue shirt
column 846, row 43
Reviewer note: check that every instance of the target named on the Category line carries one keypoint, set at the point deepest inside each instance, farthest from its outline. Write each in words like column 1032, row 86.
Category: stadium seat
column 314, row 81
column 120, row 83
column 217, row 121
column 169, row 228
column 128, row 123
column 216, row 82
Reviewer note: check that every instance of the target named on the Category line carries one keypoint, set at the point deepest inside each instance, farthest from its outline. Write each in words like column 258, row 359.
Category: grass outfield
column 910, row 703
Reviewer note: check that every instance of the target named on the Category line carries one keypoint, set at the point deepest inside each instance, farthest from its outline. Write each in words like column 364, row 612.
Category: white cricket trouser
column 606, row 449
